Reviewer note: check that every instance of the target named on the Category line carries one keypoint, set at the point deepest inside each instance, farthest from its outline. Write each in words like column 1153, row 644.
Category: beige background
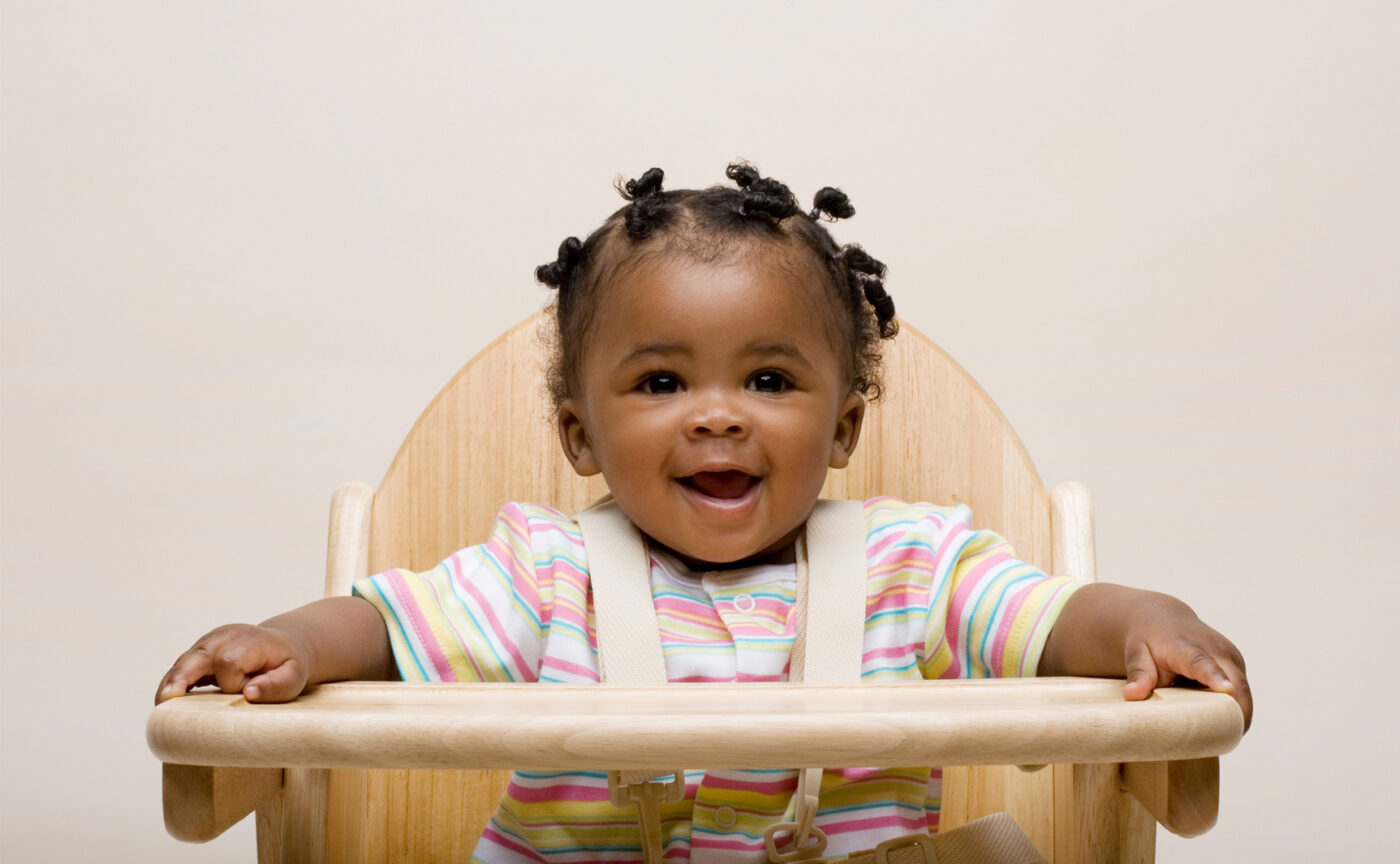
column 245, row 244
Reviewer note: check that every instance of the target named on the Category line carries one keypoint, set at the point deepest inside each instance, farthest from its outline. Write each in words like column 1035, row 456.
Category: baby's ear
column 573, row 436
column 847, row 430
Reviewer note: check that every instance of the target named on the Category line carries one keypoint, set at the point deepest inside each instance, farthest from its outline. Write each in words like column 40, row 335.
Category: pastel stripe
column 422, row 630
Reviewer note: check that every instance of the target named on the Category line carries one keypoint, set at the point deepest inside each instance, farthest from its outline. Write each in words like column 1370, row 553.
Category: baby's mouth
column 725, row 485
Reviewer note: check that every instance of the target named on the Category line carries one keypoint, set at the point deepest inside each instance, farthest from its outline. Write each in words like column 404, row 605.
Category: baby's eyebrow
column 671, row 349
column 767, row 349
column 665, row 349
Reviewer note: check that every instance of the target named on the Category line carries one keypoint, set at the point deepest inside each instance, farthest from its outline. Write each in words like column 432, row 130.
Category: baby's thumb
column 1141, row 673
column 282, row 684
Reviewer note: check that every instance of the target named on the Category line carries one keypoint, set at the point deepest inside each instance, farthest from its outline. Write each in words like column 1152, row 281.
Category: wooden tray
column 559, row 727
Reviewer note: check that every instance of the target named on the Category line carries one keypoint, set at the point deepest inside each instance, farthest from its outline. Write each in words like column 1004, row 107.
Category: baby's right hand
column 265, row 664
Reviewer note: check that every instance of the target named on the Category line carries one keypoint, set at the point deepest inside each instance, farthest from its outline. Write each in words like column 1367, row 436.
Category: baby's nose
column 718, row 416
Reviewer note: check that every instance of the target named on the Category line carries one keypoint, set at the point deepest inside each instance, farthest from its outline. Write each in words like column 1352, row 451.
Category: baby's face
column 713, row 398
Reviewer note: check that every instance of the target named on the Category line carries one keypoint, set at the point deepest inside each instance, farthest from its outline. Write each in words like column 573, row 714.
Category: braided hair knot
column 763, row 196
column 645, row 195
column 866, row 274
column 558, row 273
column 833, row 202
column 647, row 184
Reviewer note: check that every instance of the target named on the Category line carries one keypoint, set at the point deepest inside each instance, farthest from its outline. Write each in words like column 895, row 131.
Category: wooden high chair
column 341, row 774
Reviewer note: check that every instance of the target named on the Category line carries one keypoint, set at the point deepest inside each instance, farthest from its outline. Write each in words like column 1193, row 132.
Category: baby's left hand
column 1150, row 639
column 1167, row 641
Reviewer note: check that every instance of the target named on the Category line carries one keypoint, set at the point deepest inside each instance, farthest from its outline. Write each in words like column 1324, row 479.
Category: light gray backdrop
column 245, row 244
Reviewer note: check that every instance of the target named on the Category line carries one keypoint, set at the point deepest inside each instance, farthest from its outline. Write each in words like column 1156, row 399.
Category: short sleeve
column 988, row 613
column 994, row 611
column 484, row 613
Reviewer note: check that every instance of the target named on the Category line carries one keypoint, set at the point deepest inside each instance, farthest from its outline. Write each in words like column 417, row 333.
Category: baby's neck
column 785, row 554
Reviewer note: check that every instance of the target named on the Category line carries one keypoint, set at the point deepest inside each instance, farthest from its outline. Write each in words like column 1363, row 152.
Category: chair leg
column 1096, row 822
column 269, row 825
column 292, row 828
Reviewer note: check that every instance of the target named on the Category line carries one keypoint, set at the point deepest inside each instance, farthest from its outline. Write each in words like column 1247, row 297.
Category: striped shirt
column 942, row 601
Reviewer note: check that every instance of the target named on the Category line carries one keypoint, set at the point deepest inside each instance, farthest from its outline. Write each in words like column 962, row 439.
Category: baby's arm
column 1146, row 637
column 335, row 639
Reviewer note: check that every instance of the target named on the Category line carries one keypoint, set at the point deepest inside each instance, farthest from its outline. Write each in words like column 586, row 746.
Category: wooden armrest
column 559, row 727
column 1183, row 796
column 201, row 802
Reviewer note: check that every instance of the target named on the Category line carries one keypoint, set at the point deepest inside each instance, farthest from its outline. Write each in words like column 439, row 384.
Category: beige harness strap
column 629, row 649
column 629, row 640
column 830, row 604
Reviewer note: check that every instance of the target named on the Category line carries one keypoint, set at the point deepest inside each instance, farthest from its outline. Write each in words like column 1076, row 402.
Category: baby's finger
column 1221, row 674
column 1141, row 673
column 280, row 684
column 191, row 669
column 1204, row 669
column 238, row 661
column 1241, row 692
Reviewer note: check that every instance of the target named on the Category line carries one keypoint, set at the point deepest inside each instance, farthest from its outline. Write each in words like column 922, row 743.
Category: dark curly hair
column 708, row 224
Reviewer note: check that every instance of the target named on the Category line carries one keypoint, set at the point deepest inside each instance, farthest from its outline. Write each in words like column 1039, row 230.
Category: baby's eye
column 660, row 384
column 769, row 381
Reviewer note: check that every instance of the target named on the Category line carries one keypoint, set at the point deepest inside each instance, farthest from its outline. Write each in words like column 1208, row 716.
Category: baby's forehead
column 770, row 283
column 779, row 256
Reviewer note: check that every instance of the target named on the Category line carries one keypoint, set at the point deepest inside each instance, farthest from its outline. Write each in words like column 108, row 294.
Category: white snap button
column 725, row 816
column 744, row 603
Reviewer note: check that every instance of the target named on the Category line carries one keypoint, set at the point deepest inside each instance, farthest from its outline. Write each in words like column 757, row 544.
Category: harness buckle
column 647, row 796
column 622, row 794
column 812, row 852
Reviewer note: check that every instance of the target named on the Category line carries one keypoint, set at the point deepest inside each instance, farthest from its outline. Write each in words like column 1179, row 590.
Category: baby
column 715, row 352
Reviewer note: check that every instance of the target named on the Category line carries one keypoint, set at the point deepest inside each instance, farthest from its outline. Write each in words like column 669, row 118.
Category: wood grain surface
column 558, row 727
